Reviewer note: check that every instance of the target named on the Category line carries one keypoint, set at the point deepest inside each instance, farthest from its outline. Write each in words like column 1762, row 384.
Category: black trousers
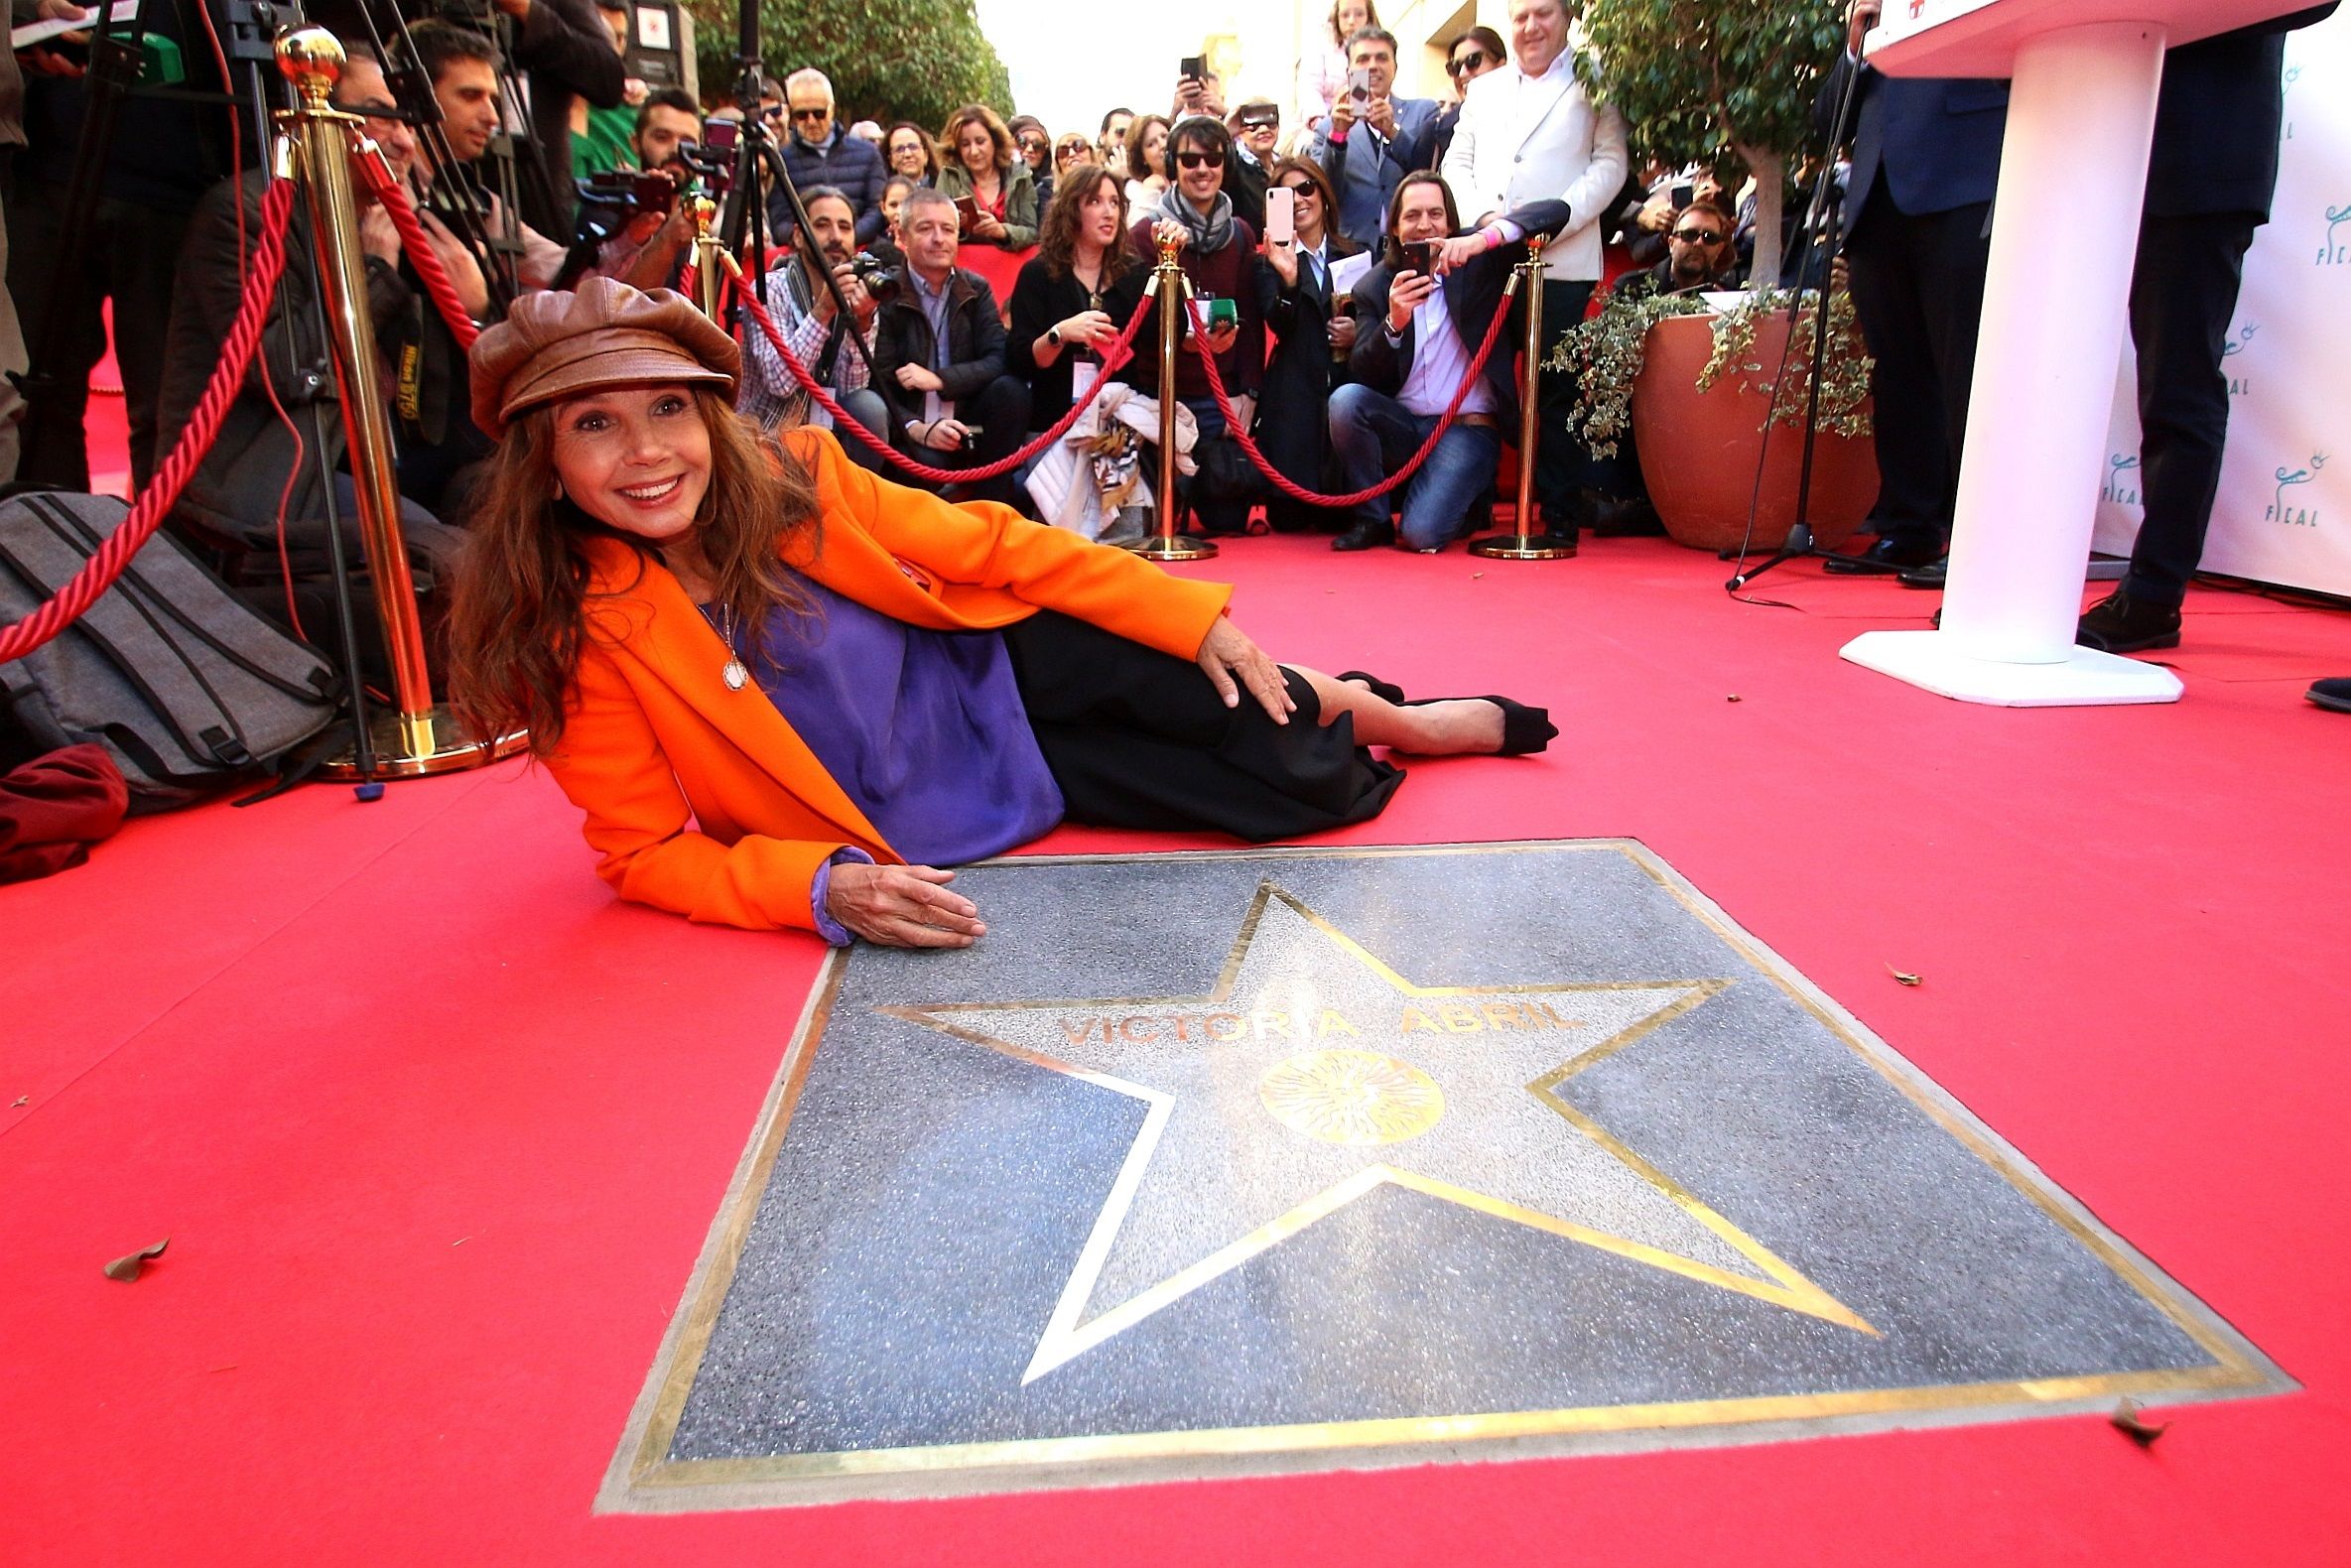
column 130, row 258
column 1919, row 289
column 2183, row 291
column 1562, row 464
column 1137, row 738
column 1000, row 410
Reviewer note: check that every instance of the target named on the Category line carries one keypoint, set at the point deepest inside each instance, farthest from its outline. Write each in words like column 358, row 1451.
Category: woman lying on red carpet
column 784, row 692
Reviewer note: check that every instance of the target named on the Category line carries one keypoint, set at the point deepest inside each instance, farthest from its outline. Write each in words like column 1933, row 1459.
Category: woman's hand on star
column 902, row 906
column 1233, row 662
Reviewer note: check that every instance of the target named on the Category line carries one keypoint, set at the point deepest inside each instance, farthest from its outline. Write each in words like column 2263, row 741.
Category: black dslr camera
column 878, row 278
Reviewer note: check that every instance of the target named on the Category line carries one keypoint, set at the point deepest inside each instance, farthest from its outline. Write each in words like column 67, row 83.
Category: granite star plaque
column 1288, row 1159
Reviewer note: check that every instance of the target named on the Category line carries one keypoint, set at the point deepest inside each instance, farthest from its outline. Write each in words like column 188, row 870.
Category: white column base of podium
column 2086, row 678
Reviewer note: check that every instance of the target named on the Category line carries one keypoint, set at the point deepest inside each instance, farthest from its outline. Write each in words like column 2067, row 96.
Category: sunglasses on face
column 1260, row 122
column 771, row 111
column 1474, row 59
column 1697, row 236
column 1032, row 144
column 810, row 115
column 1304, row 191
column 1192, row 160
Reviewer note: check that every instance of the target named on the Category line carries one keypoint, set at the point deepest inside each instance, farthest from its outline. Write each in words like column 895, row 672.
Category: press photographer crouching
column 260, row 470
column 1420, row 315
column 816, row 331
column 939, row 355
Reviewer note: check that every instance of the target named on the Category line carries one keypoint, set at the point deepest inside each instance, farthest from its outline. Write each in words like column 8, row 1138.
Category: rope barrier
column 842, row 419
column 1291, row 487
column 147, row 513
column 418, row 243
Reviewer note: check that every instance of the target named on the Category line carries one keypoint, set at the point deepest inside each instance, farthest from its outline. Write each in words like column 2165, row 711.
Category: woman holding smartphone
column 1074, row 294
column 990, row 185
column 1292, row 428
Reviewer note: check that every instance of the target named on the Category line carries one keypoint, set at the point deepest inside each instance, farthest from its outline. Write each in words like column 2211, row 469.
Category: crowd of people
column 960, row 288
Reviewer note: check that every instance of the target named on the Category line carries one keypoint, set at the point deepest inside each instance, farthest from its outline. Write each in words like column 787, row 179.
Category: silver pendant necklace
column 733, row 672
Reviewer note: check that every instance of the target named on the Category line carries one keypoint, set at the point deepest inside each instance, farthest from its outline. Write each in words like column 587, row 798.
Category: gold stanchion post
column 1169, row 543
column 416, row 737
column 1526, row 544
column 708, row 253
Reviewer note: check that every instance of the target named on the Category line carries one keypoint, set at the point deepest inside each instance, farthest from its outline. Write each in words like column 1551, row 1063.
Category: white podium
column 2073, row 177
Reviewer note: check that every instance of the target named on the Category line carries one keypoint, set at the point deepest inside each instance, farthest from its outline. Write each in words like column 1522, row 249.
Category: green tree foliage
column 890, row 59
column 1719, row 81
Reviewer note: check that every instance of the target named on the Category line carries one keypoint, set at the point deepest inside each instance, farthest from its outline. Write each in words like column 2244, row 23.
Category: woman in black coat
column 1293, row 428
column 1074, row 294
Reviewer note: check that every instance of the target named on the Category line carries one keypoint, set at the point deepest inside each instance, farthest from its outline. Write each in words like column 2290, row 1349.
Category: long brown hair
column 521, row 605
column 951, row 136
column 1057, row 236
column 1284, row 168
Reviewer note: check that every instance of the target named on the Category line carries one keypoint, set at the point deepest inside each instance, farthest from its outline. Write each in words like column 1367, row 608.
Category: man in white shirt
column 1527, row 132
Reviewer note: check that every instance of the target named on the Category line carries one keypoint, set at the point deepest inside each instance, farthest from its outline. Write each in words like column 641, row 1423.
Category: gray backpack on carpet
column 189, row 689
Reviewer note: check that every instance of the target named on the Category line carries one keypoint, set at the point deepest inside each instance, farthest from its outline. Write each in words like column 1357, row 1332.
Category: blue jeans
column 1373, row 436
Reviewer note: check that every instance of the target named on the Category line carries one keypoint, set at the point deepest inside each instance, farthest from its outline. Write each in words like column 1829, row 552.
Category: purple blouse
column 924, row 730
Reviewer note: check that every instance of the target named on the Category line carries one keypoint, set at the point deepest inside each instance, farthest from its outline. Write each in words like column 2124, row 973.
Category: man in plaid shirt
column 805, row 314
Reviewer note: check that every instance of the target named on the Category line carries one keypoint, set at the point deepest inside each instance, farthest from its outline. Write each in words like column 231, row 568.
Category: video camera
column 608, row 201
column 713, row 158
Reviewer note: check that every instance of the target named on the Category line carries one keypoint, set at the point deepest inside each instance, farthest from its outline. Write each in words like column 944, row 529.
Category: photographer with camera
column 1418, row 316
column 813, row 329
column 461, row 66
column 641, row 231
column 1372, row 138
column 939, row 354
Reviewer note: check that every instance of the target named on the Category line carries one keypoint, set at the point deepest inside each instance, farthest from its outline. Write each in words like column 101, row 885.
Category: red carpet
column 436, row 1126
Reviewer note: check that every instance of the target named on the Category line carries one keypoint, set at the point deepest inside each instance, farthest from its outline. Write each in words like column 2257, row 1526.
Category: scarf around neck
column 1210, row 234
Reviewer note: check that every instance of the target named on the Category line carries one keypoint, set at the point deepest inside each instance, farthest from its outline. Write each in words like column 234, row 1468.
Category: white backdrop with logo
column 2283, row 514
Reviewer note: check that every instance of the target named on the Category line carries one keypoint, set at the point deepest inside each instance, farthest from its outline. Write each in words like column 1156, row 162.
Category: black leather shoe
column 1886, row 557
column 2333, row 692
column 1930, row 576
column 2119, row 623
column 1385, row 691
column 1366, row 536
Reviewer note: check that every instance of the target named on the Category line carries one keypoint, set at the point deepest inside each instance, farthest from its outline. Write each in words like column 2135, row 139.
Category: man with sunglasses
column 820, row 152
column 1240, row 291
column 1255, row 126
column 1372, row 140
column 1700, row 253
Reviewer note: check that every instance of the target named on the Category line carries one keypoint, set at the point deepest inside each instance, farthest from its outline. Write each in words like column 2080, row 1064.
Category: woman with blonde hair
column 984, row 167
column 784, row 692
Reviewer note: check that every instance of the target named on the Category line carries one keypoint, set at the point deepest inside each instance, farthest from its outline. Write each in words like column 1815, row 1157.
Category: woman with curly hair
column 983, row 169
column 908, row 150
column 784, row 692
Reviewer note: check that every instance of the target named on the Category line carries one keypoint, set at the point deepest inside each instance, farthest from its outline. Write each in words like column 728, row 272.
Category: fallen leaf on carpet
column 21, row 1100
column 2142, row 1431
column 1733, row 698
column 135, row 1264
column 1475, row 576
column 1905, row 976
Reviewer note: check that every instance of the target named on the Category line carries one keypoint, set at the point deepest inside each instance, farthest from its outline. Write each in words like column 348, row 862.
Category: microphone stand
column 1824, row 237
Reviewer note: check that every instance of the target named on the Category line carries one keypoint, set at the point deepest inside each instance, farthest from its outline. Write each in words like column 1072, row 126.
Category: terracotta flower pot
column 1698, row 449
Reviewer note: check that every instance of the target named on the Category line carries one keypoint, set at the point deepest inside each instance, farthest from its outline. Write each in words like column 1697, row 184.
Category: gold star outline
column 1066, row 1337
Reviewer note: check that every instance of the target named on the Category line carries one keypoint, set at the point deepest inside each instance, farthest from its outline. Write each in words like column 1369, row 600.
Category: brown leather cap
column 554, row 345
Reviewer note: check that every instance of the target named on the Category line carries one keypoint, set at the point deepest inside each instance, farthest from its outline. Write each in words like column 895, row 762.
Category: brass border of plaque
column 642, row 1480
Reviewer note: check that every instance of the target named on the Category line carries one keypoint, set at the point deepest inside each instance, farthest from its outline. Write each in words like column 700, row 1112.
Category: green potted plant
column 1709, row 395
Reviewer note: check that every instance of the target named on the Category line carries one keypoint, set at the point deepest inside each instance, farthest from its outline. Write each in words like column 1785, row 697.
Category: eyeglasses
column 1260, row 122
column 1304, row 189
column 1032, row 144
column 1697, row 236
column 1201, row 160
column 1474, row 59
column 771, row 111
column 810, row 115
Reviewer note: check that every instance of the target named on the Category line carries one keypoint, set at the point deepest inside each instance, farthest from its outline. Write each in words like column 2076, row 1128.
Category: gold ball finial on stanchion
column 311, row 58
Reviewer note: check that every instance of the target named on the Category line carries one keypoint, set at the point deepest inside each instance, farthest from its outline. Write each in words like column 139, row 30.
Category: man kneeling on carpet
column 785, row 690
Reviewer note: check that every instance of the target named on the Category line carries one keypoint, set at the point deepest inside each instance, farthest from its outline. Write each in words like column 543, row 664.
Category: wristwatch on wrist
column 1053, row 335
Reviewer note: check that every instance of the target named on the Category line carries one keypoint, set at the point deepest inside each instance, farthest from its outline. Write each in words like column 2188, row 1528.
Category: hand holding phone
column 1358, row 86
column 1281, row 215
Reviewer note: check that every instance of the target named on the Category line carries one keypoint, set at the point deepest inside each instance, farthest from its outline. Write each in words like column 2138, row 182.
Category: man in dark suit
column 2209, row 179
column 1419, row 318
column 1368, row 144
column 1917, row 238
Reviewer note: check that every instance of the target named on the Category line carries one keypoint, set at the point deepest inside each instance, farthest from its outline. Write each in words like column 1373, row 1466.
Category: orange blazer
column 704, row 800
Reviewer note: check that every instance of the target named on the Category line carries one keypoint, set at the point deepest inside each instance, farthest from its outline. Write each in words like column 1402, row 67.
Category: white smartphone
column 1281, row 215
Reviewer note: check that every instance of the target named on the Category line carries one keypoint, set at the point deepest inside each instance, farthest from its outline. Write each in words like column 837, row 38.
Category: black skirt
column 1137, row 738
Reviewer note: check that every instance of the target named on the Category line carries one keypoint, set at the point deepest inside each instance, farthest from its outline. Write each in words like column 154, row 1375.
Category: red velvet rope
column 844, row 421
column 419, row 245
column 155, row 503
column 1291, row 487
